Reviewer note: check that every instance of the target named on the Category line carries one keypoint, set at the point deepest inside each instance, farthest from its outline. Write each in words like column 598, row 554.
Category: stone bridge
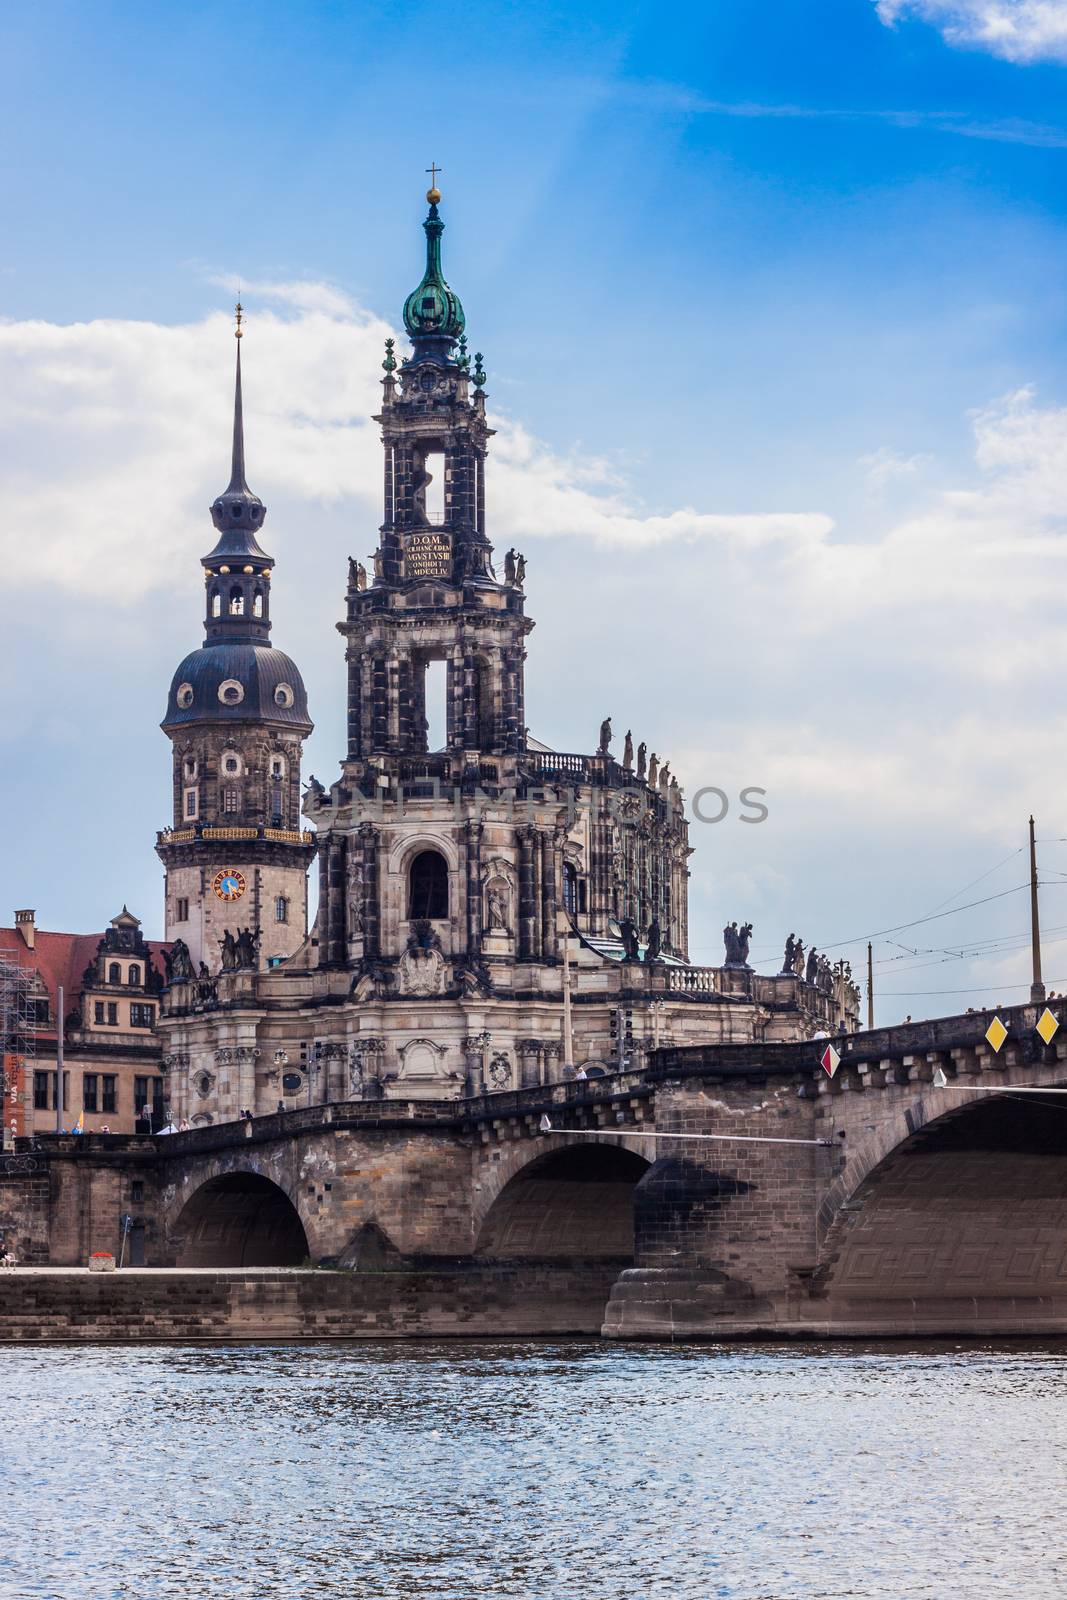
column 900, row 1197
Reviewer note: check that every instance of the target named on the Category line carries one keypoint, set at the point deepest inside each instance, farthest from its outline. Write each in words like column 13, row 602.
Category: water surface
column 539, row 1471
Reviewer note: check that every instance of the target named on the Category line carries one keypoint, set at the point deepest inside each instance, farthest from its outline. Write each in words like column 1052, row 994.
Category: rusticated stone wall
column 450, row 1300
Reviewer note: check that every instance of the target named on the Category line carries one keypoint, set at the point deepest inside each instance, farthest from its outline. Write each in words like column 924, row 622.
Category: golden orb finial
column 239, row 311
column 433, row 193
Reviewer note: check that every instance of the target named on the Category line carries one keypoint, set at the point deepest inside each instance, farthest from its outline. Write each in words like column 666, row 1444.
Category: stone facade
column 491, row 914
column 111, row 991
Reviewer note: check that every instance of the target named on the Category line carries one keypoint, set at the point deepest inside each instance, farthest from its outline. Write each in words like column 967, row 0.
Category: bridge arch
column 239, row 1219
column 963, row 1221
column 572, row 1201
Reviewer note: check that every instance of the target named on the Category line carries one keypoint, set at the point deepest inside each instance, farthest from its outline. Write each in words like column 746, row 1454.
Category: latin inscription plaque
column 428, row 554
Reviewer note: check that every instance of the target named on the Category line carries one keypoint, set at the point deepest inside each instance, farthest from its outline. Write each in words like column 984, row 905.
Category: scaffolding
column 20, row 1004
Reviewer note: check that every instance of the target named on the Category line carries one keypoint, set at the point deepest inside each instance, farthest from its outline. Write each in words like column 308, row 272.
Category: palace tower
column 235, row 856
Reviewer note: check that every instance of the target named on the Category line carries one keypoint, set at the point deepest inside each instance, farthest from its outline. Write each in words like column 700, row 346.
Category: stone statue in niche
column 497, row 905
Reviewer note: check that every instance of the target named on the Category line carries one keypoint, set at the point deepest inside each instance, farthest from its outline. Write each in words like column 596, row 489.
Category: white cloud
column 1016, row 30
column 903, row 679
column 884, row 467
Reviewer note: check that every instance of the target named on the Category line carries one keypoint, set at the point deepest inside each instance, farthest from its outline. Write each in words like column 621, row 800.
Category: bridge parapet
column 909, row 1053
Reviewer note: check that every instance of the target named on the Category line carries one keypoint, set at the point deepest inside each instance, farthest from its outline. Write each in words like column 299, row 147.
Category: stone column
column 372, row 938
column 551, row 1056
column 336, row 941
column 322, row 841
column 551, row 843
column 538, row 862
column 393, row 700
column 456, row 715
column 527, row 914
column 379, row 705
column 355, row 703
column 473, row 851
column 369, row 1058
column 474, row 1047
column 529, row 1063
column 387, row 487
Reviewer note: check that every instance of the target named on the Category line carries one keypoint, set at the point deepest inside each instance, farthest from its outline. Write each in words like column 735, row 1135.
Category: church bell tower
column 435, row 595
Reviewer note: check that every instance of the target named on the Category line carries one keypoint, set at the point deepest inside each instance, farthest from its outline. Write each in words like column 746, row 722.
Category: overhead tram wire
column 769, row 950
column 981, row 877
column 982, row 988
column 935, row 916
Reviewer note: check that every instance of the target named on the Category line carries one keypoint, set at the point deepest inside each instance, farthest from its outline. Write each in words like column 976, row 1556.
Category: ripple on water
column 535, row 1471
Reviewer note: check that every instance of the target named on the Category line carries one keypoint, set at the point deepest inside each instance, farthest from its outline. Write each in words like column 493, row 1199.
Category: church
column 492, row 914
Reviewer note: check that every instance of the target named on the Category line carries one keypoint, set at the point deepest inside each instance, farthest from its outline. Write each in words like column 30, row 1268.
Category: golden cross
column 433, row 169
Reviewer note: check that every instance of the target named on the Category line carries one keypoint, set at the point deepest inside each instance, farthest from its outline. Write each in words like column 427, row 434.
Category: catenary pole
column 1037, row 988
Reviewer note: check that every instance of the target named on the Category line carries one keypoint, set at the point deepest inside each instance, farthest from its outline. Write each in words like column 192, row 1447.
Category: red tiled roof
column 61, row 958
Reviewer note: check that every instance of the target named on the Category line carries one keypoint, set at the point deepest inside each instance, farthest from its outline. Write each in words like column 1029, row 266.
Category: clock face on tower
column 229, row 884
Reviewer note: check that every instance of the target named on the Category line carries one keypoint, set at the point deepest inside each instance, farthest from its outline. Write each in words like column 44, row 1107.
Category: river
column 569, row 1471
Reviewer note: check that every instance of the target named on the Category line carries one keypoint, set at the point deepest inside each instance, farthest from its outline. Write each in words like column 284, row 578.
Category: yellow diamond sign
column 1047, row 1025
column 996, row 1034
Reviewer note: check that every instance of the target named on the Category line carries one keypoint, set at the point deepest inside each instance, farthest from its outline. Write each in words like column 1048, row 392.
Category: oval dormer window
column 231, row 693
column 283, row 696
column 184, row 696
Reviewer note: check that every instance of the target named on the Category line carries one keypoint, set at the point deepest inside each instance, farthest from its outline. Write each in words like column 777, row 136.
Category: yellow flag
column 79, row 1126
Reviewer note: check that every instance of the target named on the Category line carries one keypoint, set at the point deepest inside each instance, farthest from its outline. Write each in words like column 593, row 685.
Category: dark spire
column 238, row 513
column 237, row 472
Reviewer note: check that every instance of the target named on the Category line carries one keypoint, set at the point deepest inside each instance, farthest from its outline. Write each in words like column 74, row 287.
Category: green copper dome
column 433, row 310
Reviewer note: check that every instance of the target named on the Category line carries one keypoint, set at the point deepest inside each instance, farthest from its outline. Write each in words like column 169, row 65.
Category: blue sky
column 728, row 264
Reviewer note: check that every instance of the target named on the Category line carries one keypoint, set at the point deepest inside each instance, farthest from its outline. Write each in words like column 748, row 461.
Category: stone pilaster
column 474, row 1048
column 529, row 1051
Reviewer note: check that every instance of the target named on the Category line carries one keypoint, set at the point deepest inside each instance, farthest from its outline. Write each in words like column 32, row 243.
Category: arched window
column 570, row 888
column 134, row 975
column 237, row 601
column 257, row 603
column 428, row 885
column 114, row 973
column 281, row 909
column 216, row 603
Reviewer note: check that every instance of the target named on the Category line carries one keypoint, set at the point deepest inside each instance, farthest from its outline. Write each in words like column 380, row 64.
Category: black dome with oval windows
column 203, row 688
column 237, row 675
